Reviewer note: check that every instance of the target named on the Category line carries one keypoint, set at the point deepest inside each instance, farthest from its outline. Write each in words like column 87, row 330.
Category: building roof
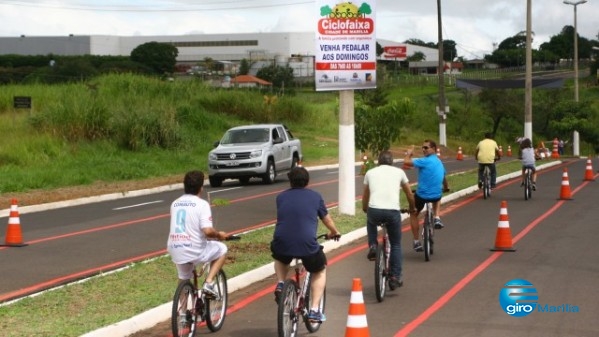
column 249, row 79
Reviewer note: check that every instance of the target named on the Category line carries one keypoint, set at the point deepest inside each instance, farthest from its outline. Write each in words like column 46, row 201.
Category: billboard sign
column 345, row 46
column 395, row 52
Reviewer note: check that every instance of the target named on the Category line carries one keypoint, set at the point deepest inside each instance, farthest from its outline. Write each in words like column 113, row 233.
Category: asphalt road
column 457, row 292
column 71, row 243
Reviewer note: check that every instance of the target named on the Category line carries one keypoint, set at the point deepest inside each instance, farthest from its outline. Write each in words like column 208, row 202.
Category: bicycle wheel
column 311, row 325
column 426, row 237
column 184, row 316
column 287, row 317
column 216, row 308
column 486, row 184
column 527, row 185
column 380, row 272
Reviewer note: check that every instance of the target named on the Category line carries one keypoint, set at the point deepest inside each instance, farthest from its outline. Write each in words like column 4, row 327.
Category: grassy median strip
column 81, row 307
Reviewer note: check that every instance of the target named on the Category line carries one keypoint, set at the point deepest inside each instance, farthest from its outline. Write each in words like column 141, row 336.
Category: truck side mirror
column 217, row 143
column 277, row 140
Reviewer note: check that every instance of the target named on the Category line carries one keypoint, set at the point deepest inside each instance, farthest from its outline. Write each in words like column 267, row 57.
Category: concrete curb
column 161, row 313
column 114, row 196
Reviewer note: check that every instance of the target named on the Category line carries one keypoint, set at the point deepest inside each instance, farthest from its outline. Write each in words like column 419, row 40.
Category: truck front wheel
column 215, row 182
column 270, row 175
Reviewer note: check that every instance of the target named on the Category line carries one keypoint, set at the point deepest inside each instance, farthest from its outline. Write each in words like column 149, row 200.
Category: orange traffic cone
column 460, row 154
column 503, row 238
column 555, row 151
column 588, row 174
column 14, row 237
column 509, row 150
column 438, row 152
column 565, row 193
column 500, row 151
column 357, row 326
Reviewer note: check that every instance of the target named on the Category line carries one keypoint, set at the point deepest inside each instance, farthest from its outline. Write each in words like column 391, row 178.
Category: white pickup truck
column 262, row 151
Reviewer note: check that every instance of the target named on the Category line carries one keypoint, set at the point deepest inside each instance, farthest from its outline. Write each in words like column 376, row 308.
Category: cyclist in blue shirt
column 431, row 185
column 298, row 211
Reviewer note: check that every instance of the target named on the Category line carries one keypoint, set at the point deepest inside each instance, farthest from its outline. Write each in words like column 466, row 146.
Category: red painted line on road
column 75, row 276
column 445, row 298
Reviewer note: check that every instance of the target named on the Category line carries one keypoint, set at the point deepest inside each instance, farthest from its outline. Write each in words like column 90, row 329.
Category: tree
column 280, row 77
column 377, row 127
column 379, row 49
column 417, row 42
column 244, row 67
column 377, row 119
column 449, row 50
column 208, row 64
column 562, row 45
column 502, row 103
column 160, row 57
column 416, row 57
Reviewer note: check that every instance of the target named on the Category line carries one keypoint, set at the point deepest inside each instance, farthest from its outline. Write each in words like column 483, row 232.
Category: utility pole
column 575, row 4
column 441, row 109
column 528, row 78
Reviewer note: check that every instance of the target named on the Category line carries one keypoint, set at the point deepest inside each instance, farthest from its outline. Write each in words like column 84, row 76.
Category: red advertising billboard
column 395, row 52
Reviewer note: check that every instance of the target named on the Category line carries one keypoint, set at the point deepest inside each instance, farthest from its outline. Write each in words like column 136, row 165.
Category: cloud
column 475, row 25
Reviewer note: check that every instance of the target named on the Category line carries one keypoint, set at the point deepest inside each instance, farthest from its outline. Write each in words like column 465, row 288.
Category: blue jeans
column 481, row 169
column 392, row 218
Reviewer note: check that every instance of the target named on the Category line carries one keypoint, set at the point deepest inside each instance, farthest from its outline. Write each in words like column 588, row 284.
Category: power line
column 211, row 6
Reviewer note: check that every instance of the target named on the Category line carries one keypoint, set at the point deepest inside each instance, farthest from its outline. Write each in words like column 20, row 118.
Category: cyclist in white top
column 192, row 239
column 380, row 202
column 528, row 161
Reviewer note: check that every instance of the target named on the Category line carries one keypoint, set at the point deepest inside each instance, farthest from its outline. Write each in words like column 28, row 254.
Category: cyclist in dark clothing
column 298, row 211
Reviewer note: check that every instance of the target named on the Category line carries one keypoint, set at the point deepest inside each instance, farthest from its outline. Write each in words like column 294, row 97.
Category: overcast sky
column 475, row 25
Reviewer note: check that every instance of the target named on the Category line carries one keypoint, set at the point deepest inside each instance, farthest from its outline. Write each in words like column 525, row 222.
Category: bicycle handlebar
column 233, row 237
column 326, row 237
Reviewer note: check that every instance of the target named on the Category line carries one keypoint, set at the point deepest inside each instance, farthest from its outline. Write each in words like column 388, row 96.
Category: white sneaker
column 209, row 290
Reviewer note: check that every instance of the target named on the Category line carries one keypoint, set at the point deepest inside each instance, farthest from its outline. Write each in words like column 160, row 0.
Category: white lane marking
column 225, row 189
column 138, row 205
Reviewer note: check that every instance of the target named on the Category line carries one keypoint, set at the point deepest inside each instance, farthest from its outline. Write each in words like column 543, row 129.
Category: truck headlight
column 256, row 154
column 212, row 156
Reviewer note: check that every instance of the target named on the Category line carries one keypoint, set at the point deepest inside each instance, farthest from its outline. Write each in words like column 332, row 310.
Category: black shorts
column 419, row 202
column 313, row 263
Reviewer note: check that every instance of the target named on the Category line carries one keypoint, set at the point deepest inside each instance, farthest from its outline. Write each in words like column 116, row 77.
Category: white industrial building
column 293, row 49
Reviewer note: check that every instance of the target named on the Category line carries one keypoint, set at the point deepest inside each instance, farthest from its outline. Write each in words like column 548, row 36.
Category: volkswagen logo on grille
column 232, row 156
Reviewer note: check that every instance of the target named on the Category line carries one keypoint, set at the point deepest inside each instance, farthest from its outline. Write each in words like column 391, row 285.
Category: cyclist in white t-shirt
column 380, row 202
column 192, row 240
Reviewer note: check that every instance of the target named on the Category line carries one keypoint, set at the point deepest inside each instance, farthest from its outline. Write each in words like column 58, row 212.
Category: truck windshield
column 246, row 136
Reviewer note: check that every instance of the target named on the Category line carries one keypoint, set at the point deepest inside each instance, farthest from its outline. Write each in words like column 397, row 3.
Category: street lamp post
column 575, row 4
column 575, row 144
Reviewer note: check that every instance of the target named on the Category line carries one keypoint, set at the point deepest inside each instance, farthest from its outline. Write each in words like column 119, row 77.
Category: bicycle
column 428, row 231
column 294, row 301
column 381, row 266
column 191, row 306
column 527, row 183
column 486, row 182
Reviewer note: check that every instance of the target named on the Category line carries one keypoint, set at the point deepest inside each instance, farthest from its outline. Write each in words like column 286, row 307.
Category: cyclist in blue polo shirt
column 431, row 185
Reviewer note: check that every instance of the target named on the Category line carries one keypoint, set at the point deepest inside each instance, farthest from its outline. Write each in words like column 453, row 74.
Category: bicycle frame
column 294, row 302
column 428, row 231
column 486, row 181
column 191, row 306
column 381, row 268
column 527, row 183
